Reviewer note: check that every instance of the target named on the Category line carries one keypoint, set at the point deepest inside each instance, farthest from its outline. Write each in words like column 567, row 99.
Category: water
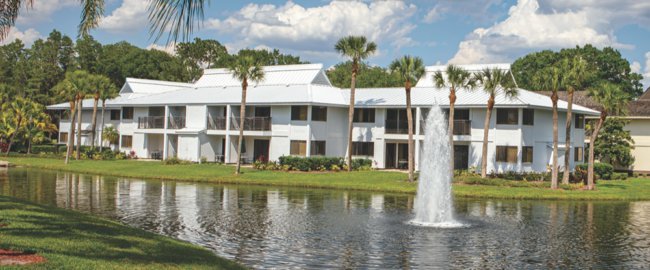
column 270, row 227
column 433, row 204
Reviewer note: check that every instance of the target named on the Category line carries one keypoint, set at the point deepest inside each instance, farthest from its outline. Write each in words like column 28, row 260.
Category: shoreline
column 372, row 181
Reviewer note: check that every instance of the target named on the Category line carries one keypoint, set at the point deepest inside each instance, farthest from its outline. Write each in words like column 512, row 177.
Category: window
column 63, row 137
column 127, row 141
column 578, row 154
column 127, row 113
column 298, row 148
column 299, row 113
column 364, row 116
column 507, row 154
column 363, row 148
column 527, row 154
column 317, row 148
column 507, row 116
column 529, row 117
column 579, row 120
column 319, row 113
column 115, row 115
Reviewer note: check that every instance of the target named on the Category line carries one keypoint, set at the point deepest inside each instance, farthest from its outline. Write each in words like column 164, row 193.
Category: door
column 391, row 156
column 261, row 150
column 461, row 157
column 403, row 156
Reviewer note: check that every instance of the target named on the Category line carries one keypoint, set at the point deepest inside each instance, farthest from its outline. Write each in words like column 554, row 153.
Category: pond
column 272, row 227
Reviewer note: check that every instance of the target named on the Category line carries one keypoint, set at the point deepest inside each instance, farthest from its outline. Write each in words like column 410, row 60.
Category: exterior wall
column 640, row 132
column 194, row 142
column 86, row 124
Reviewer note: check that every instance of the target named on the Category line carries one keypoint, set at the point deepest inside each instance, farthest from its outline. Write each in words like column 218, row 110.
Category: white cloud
column 131, row 16
column 170, row 48
column 557, row 24
column 42, row 10
column 27, row 37
column 477, row 10
column 313, row 31
column 635, row 67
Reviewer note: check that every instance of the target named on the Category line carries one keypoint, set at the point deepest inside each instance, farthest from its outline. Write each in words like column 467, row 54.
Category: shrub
column 120, row 156
column 359, row 163
column 45, row 148
column 619, row 176
column 175, row 161
column 310, row 163
column 602, row 171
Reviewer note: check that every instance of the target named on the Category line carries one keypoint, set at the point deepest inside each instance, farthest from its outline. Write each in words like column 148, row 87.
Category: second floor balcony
column 461, row 127
column 176, row 122
column 151, row 122
column 252, row 123
column 216, row 123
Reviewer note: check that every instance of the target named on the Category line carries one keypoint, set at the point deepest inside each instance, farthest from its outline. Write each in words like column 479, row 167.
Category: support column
column 308, row 150
column 226, row 155
column 165, row 146
column 417, row 134
column 520, row 149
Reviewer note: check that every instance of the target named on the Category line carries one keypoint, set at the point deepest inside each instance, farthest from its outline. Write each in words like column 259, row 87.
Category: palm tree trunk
column 567, row 153
column 73, row 117
column 554, row 170
column 94, row 124
column 486, row 129
column 409, row 116
column 353, row 83
column 452, row 103
column 79, row 109
column 13, row 135
column 242, row 113
column 592, row 144
column 101, row 134
column 29, row 146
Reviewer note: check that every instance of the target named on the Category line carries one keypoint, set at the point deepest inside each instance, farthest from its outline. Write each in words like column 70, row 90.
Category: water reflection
column 279, row 227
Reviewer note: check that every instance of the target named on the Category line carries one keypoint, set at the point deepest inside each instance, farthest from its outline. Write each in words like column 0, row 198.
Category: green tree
column 613, row 100
column 103, row 88
column 410, row 69
column 493, row 81
column 552, row 78
column 110, row 135
column 368, row 77
column 606, row 64
column 15, row 116
column 614, row 144
column 88, row 52
column 357, row 48
column 107, row 91
column 48, row 61
column 575, row 69
column 455, row 78
column 37, row 127
column 245, row 69
column 200, row 54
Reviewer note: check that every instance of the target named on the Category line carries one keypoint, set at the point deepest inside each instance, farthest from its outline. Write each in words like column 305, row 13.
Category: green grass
column 381, row 181
column 73, row 240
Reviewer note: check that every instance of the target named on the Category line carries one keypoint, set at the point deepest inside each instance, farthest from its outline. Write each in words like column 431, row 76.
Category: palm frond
column 9, row 11
column 92, row 11
column 178, row 18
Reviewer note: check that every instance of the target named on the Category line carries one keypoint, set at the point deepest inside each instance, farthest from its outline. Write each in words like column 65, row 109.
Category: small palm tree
column 576, row 72
column 107, row 90
column 455, row 78
column 38, row 125
column 356, row 48
column 613, row 100
column 244, row 68
column 552, row 79
column 15, row 115
column 410, row 69
column 493, row 81
column 103, row 89
column 110, row 135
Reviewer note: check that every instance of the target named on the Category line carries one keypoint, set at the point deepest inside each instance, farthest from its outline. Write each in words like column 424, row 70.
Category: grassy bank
column 73, row 240
column 633, row 189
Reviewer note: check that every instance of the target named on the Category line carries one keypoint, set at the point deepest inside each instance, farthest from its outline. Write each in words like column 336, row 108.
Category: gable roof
column 273, row 75
column 145, row 87
column 636, row 108
column 427, row 79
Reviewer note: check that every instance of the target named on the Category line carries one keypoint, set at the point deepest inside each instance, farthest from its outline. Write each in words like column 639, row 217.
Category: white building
column 296, row 111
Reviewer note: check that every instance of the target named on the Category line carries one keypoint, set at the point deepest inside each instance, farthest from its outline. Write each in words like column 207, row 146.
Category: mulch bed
column 11, row 257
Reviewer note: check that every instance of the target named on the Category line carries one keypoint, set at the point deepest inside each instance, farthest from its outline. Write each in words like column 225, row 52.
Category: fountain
column 433, row 202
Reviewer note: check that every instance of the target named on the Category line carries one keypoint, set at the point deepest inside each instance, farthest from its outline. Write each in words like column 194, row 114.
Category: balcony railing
column 252, row 123
column 397, row 127
column 176, row 122
column 217, row 123
column 461, row 127
column 149, row 122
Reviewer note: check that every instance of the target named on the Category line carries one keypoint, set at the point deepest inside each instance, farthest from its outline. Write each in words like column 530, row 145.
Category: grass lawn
column 73, row 240
column 383, row 181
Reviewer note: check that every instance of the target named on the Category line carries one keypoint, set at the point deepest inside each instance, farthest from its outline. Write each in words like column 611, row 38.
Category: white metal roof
column 307, row 84
column 427, row 79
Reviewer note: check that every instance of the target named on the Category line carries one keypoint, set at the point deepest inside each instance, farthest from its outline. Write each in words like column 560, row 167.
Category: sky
column 440, row 32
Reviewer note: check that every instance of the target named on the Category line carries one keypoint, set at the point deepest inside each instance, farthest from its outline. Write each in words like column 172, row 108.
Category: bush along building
column 295, row 111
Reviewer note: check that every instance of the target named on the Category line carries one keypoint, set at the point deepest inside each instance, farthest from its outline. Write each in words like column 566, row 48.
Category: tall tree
column 368, row 76
column 101, row 87
column 356, row 48
column 614, row 144
column 552, row 79
column 455, row 78
column 200, row 54
column 613, row 100
column 576, row 72
column 89, row 52
column 410, row 69
column 107, row 90
column 493, row 81
column 71, row 88
column 245, row 69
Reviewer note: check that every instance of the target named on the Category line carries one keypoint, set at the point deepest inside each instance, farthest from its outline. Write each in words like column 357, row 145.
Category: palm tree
column 493, row 81
column 16, row 114
column 454, row 78
column 613, row 100
column 552, row 79
column 356, row 48
column 576, row 71
column 38, row 124
column 244, row 68
column 71, row 88
column 410, row 69
column 107, row 90
column 110, row 134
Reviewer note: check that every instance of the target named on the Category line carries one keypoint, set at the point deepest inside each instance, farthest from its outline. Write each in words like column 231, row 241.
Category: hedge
column 602, row 171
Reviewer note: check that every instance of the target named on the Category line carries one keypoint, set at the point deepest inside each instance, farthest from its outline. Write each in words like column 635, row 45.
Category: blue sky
column 446, row 31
